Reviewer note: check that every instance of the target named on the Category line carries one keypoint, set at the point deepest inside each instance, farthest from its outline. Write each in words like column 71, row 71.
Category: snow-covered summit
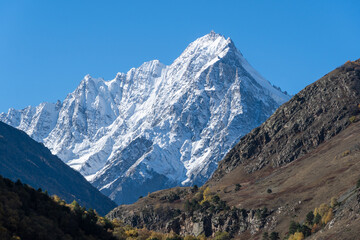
column 210, row 44
column 155, row 126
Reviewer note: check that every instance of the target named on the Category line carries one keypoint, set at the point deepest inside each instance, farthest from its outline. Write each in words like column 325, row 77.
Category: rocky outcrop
column 202, row 222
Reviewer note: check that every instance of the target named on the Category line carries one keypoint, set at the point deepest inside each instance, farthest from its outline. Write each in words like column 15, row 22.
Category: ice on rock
column 155, row 126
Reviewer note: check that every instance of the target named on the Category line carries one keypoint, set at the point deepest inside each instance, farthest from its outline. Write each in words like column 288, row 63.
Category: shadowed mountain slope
column 23, row 158
column 28, row 214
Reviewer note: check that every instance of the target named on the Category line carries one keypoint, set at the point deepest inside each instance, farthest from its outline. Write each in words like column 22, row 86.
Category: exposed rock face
column 156, row 126
column 203, row 221
column 312, row 116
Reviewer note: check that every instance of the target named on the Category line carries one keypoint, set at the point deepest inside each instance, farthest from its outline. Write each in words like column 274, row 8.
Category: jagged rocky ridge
column 156, row 126
column 314, row 115
column 324, row 116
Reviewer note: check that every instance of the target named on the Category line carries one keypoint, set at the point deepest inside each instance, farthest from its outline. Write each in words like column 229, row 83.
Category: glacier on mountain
column 156, row 126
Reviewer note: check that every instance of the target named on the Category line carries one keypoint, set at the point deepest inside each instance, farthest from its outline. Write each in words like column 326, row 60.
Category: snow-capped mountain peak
column 155, row 126
column 204, row 49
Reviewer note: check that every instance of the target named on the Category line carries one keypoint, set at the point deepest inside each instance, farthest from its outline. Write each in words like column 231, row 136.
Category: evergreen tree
column 310, row 218
column 274, row 236
column 294, row 226
column 317, row 219
column 265, row 236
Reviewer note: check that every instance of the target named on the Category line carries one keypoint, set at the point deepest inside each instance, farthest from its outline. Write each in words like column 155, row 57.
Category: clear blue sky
column 47, row 47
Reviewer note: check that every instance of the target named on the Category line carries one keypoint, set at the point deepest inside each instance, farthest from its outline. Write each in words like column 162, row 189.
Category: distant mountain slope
column 307, row 152
column 156, row 126
column 23, row 158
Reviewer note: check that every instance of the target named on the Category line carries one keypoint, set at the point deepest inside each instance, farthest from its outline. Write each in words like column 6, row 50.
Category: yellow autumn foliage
column 58, row 200
column 327, row 216
column 190, row 238
column 116, row 223
column 321, row 210
column 156, row 235
column 297, row 236
column 131, row 233
column 202, row 237
column 315, row 228
column 206, row 195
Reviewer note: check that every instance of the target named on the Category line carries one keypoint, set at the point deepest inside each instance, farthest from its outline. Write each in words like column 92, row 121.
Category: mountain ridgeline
column 314, row 115
column 306, row 154
column 156, row 126
column 23, row 158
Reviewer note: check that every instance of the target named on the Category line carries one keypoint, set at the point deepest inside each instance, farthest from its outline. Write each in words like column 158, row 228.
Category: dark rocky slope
column 260, row 185
column 314, row 115
column 23, row 158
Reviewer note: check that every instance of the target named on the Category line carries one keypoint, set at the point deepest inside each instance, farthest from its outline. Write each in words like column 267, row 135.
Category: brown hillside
column 297, row 188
